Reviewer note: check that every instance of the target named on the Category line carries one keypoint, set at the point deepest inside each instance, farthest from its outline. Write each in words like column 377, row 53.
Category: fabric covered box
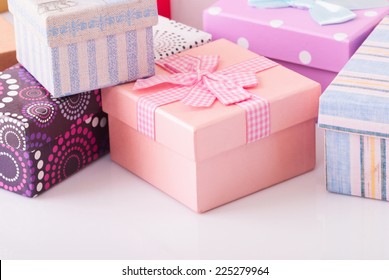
column 44, row 140
column 7, row 44
column 354, row 112
column 208, row 156
column 76, row 46
column 290, row 35
column 164, row 8
column 171, row 37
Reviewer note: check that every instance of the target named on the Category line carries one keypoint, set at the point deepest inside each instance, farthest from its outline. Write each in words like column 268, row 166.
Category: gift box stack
column 51, row 118
column 52, row 123
column 206, row 123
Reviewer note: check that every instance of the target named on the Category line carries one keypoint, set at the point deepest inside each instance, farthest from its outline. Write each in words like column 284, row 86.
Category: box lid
column 200, row 133
column 30, row 118
column 357, row 100
column 290, row 34
column 63, row 22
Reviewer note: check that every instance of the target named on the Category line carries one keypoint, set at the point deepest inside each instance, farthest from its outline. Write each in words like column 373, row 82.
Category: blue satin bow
column 323, row 12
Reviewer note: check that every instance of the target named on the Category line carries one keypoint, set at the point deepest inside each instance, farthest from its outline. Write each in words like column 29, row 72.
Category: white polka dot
column 340, row 36
column 40, row 175
column 11, row 81
column 12, row 93
column 39, row 187
column 5, row 76
column 37, row 155
column 95, row 122
column 103, row 122
column 243, row 42
column 88, row 120
column 370, row 13
column 7, row 99
column 305, row 57
column 40, row 164
column 13, row 87
column 24, row 120
column 276, row 23
column 2, row 105
column 215, row 11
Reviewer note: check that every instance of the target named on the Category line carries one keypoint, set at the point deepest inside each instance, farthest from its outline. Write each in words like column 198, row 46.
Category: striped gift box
column 74, row 46
column 354, row 113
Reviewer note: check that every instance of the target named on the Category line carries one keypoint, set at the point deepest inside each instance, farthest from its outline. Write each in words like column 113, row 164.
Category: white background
column 105, row 212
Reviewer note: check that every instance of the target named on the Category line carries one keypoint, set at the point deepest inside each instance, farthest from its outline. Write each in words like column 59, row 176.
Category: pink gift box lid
column 200, row 133
column 290, row 34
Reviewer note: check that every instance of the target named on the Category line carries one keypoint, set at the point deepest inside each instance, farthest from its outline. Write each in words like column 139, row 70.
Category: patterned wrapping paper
column 354, row 112
column 172, row 37
column 44, row 140
column 76, row 46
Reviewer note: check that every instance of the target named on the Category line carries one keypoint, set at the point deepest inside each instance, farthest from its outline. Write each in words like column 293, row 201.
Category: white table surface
column 105, row 212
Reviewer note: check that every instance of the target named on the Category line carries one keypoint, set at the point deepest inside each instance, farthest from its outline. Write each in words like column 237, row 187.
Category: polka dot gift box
column 72, row 46
column 44, row 140
column 291, row 36
column 216, row 123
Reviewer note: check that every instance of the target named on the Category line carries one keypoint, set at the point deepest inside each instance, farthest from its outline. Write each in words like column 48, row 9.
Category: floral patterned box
column 44, row 140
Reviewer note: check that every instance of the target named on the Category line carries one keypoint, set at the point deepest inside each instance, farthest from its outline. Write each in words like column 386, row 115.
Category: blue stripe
column 378, row 35
column 338, row 162
column 369, row 66
column 355, row 131
column 113, row 59
column 56, row 71
column 355, row 106
column 150, row 51
column 362, row 164
column 92, row 64
column 383, row 169
column 132, row 55
column 74, row 67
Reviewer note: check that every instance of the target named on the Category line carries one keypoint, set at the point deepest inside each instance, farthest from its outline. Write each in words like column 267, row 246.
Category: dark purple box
column 44, row 140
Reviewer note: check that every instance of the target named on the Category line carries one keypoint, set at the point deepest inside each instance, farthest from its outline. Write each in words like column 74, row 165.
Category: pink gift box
column 291, row 37
column 200, row 156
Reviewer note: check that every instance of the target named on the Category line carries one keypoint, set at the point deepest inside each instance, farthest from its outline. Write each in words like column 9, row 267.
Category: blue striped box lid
column 357, row 101
column 63, row 22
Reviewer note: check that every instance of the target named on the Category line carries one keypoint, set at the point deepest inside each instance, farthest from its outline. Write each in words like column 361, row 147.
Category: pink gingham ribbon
column 197, row 83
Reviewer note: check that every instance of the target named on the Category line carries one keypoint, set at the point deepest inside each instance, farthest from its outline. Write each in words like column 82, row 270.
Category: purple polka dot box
column 44, row 140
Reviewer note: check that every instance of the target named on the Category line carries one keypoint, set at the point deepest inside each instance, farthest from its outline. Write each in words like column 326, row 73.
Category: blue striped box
column 354, row 111
column 73, row 46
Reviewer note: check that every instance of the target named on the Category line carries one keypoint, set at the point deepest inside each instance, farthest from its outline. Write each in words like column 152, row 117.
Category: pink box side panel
column 216, row 181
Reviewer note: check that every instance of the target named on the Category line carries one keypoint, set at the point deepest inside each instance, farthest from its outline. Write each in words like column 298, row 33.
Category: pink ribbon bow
column 197, row 83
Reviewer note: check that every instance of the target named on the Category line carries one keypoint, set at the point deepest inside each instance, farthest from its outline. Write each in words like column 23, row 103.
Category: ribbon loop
column 322, row 12
column 198, row 84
